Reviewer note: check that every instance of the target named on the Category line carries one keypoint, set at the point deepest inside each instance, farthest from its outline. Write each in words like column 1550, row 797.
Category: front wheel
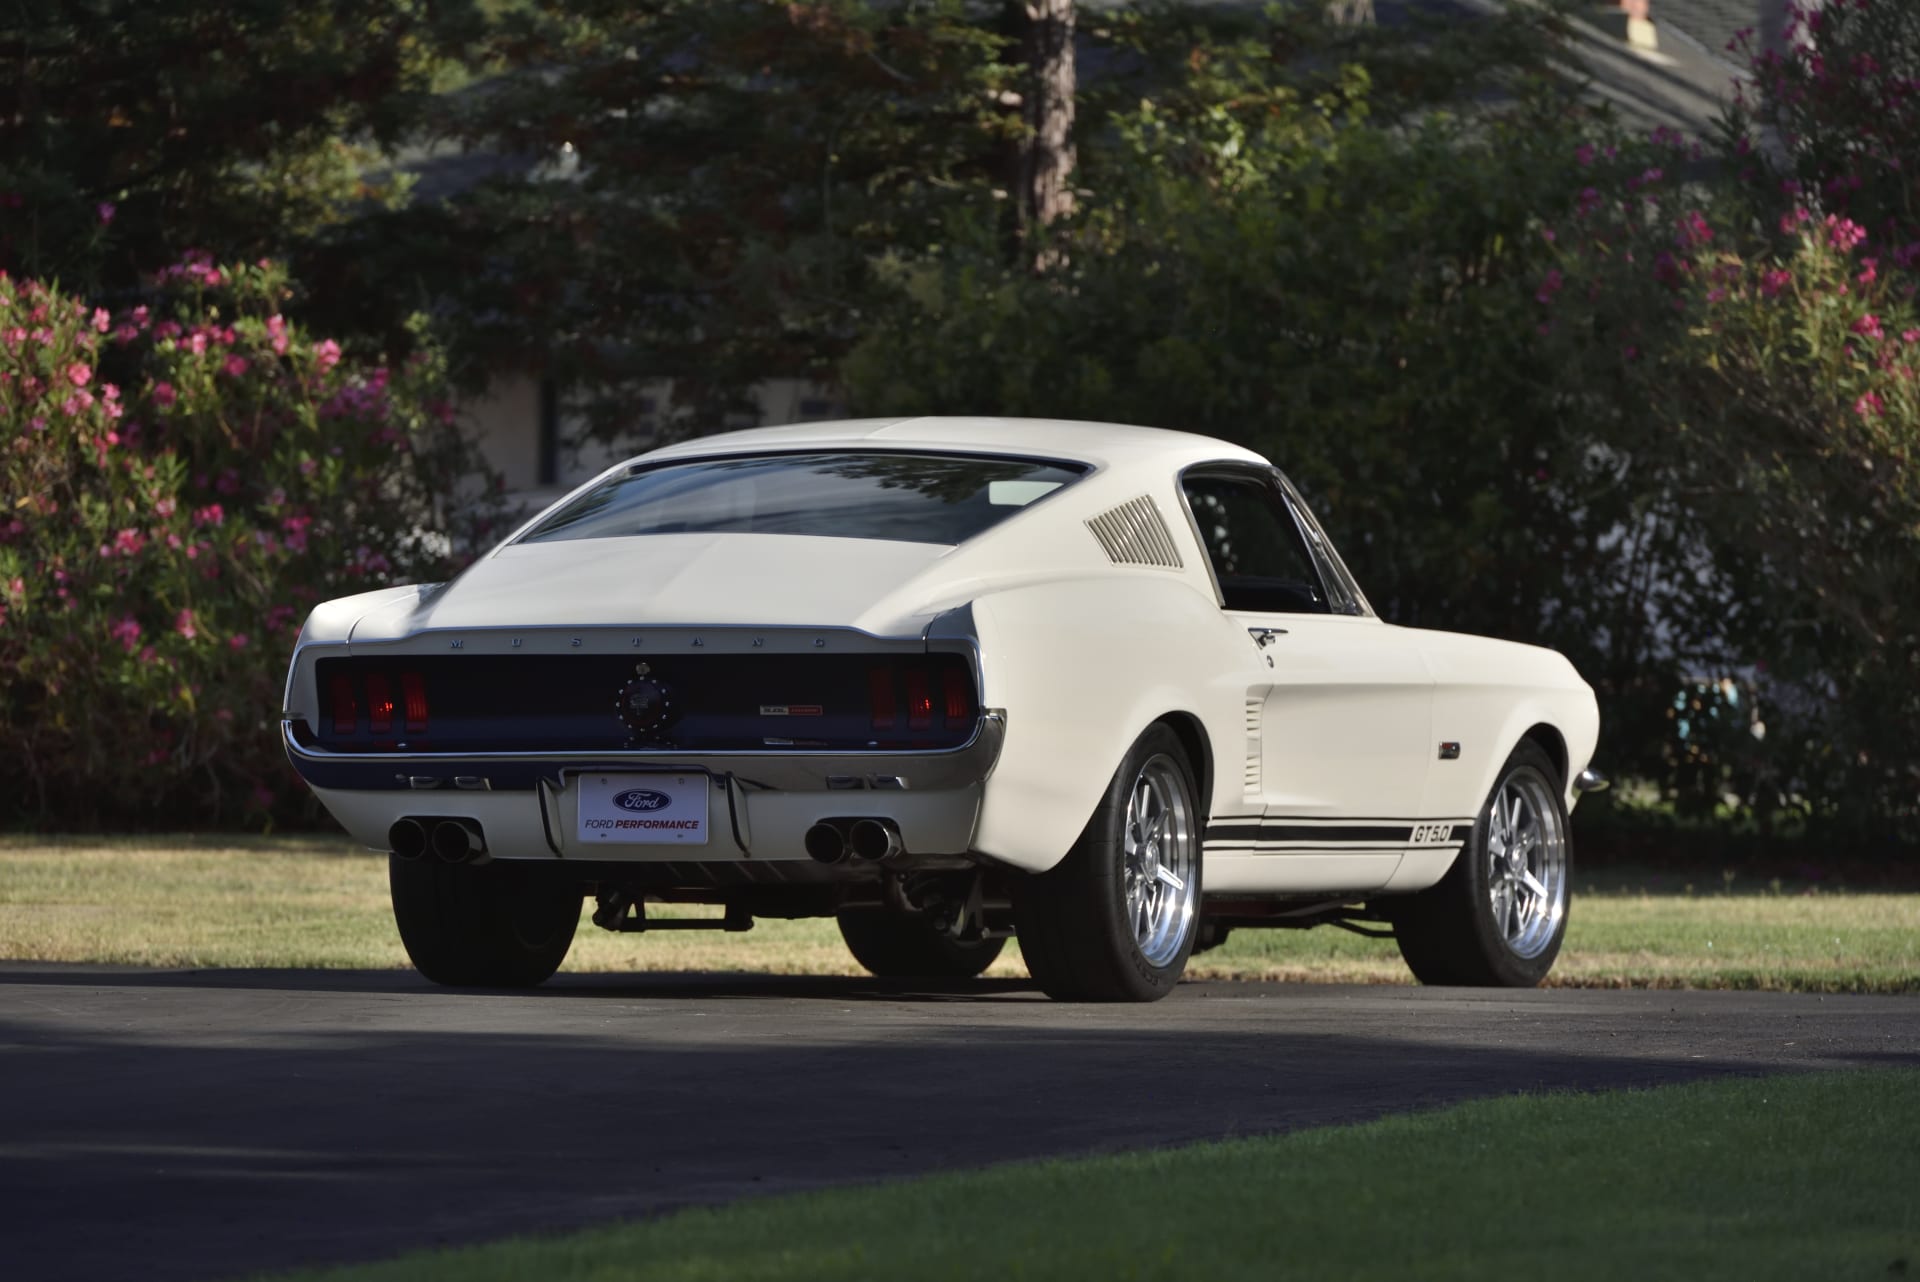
column 1498, row 917
column 1115, row 920
column 897, row 946
column 492, row 925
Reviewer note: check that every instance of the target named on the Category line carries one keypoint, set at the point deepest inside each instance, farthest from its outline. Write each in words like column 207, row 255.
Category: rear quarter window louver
column 1135, row 534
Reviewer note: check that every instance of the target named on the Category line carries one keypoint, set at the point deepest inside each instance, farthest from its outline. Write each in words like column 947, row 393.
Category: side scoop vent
column 1135, row 534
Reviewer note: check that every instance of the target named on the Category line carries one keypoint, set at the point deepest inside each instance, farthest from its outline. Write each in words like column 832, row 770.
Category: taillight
column 379, row 704
column 880, row 690
column 959, row 697
column 346, row 714
column 919, row 702
column 413, row 692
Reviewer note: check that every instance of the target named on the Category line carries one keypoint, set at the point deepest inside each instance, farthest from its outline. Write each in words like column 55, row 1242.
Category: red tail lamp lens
column 413, row 691
column 880, row 688
column 919, row 703
column 379, row 704
column 959, row 697
column 346, row 713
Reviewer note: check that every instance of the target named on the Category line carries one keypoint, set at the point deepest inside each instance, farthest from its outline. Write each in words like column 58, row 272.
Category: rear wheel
column 1498, row 917
column 1115, row 920
column 898, row 946
column 493, row 925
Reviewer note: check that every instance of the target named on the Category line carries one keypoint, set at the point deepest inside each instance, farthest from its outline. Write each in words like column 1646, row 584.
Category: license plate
column 648, row 809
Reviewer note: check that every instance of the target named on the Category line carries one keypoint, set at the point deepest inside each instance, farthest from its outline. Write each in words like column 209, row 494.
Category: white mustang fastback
column 1107, row 688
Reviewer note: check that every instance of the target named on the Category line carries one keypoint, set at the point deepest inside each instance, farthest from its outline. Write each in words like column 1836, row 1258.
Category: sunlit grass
column 312, row 902
column 1771, row 1178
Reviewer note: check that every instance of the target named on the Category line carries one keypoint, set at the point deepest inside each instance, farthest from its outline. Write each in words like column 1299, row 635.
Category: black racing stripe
column 1350, row 832
column 1389, row 849
column 1372, row 832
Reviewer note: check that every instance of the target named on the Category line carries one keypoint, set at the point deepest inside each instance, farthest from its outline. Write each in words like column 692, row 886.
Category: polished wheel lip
column 1526, row 856
column 1160, row 860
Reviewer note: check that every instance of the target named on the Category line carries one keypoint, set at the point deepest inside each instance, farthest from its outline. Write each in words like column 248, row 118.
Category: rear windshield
column 909, row 498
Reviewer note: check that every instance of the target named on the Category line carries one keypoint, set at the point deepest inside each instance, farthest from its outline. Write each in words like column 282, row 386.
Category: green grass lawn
column 311, row 902
column 1808, row 1177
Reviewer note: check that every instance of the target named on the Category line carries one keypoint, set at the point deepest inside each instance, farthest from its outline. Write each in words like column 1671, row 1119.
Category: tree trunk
column 1047, row 155
column 1350, row 13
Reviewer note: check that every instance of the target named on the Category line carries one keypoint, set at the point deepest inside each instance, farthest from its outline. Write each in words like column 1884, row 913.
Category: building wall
column 507, row 424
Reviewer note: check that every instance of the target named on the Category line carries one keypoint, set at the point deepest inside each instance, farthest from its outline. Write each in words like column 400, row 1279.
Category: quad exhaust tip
column 826, row 843
column 874, row 839
column 456, row 841
column 407, row 838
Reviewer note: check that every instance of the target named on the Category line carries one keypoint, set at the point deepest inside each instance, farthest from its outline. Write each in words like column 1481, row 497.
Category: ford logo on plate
column 642, row 799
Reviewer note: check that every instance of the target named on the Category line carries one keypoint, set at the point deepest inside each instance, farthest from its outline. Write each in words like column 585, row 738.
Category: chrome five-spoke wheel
column 1116, row 919
column 1526, row 863
column 1500, row 913
column 1159, row 853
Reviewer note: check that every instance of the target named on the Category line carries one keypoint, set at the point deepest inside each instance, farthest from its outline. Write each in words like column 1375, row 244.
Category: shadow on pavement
column 210, row 1124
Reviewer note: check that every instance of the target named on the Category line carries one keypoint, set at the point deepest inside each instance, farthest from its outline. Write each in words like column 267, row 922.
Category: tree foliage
column 132, row 131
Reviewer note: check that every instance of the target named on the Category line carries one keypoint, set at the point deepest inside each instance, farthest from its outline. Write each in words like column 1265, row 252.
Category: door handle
column 1265, row 637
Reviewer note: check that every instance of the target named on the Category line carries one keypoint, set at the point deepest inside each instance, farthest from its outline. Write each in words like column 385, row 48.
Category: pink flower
column 1549, row 287
column 1693, row 230
column 238, row 641
column 1910, row 335
column 164, row 396
column 1843, row 233
column 236, row 366
column 102, row 322
column 1869, row 406
column 327, row 353
column 1869, row 271
column 105, row 212
column 1868, row 325
column 197, row 342
column 211, row 514
column 183, row 624
column 127, row 633
column 79, row 373
column 1774, row 281
column 129, row 542
column 1583, row 154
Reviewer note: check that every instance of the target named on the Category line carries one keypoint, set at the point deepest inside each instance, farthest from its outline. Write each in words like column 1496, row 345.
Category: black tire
column 1450, row 933
column 494, row 925
column 897, row 946
column 1072, row 921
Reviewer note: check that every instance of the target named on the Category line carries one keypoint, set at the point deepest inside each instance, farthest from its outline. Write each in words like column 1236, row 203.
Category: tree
column 132, row 131
column 1050, row 85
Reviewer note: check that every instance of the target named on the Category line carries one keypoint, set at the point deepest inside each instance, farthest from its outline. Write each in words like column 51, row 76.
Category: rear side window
column 1254, row 547
column 908, row 498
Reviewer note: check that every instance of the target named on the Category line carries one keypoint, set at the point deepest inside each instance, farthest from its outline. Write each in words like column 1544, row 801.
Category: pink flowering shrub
column 1843, row 104
column 180, row 481
column 1755, row 334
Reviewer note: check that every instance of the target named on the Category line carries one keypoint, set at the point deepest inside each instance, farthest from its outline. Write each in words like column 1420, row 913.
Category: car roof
column 1101, row 444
